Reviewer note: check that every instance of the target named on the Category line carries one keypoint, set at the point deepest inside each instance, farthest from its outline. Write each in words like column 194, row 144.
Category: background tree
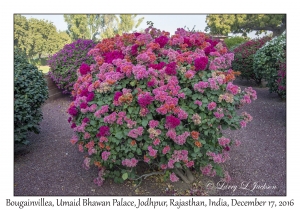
column 20, row 31
column 42, row 36
column 37, row 37
column 77, row 26
column 57, row 41
column 128, row 23
column 245, row 23
column 96, row 26
column 108, row 27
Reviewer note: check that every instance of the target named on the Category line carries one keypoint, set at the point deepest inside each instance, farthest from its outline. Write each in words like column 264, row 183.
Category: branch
column 182, row 176
column 146, row 175
column 267, row 28
column 150, row 174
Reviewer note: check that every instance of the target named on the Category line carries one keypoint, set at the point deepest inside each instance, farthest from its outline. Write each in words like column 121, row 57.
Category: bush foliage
column 233, row 42
column 159, row 99
column 64, row 64
column 30, row 92
column 243, row 58
column 270, row 64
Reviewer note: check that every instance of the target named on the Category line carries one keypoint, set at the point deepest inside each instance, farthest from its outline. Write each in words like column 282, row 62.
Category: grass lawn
column 45, row 69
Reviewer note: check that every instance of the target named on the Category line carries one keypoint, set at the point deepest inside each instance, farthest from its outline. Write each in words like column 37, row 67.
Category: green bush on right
column 269, row 63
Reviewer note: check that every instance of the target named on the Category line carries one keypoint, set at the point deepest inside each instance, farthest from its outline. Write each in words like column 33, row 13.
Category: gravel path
column 51, row 165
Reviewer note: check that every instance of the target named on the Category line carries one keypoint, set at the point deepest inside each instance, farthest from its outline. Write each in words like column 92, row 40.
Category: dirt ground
column 51, row 166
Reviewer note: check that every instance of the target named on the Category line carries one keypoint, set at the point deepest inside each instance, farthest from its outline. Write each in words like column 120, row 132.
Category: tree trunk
column 185, row 174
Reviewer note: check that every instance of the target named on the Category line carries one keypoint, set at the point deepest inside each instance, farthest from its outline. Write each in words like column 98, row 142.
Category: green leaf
column 177, row 165
column 144, row 122
column 130, row 109
column 196, row 149
column 204, row 100
column 93, row 122
column 139, row 151
column 125, row 176
column 145, row 147
column 133, row 83
column 149, row 116
column 224, row 126
column 119, row 135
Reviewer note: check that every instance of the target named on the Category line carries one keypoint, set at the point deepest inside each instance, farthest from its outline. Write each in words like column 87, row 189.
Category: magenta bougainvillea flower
column 172, row 122
column 171, row 69
column 104, row 131
column 162, row 41
column 201, row 63
column 73, row 111
column 84, row 69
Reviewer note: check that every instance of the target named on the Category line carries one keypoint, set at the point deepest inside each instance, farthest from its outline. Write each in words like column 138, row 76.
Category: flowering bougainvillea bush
column 243, row 58
column 64, row 64
column 30, row 92
column 270, row 64
column 159, row 99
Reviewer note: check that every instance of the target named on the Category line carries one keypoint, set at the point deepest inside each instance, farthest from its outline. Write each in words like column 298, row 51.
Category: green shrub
column 269, row 64
column 243, row 58
column 233, row 42
column 30, row 91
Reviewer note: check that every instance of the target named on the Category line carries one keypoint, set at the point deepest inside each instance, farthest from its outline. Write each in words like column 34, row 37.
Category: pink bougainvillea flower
column 171, row 69
column 145, row 99
column 153, row 123
column 234, row 89
column 173, row 177
column 104, row 131
column 90, row 96
column 211, row 105
column 223, row 141
column 84, row 69
column 237, row 143
column 166, row 149
column 105, row 155
column 243, row 124
column 172, row 122
column 162, row 41
column 201, row 63
column 73, row 111
column 83, row 105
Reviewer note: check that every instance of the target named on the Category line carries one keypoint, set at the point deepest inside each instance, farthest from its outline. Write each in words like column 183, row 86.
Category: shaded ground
column 51, row 165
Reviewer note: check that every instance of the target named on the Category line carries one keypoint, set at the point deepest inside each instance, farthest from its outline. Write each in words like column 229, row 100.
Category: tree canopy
column 90, row 26
column 245, row 23
column 37, row 37
column 128, row 22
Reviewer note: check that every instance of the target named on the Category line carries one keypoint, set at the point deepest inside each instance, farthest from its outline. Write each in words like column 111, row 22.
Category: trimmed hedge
column 30, row 92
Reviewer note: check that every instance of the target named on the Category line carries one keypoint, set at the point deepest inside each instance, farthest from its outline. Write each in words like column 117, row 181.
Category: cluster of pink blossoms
column 208, row 170
column 178, row 139
column 221, row 157
column 134, row 133
column 130, row 162
column 177, row 156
